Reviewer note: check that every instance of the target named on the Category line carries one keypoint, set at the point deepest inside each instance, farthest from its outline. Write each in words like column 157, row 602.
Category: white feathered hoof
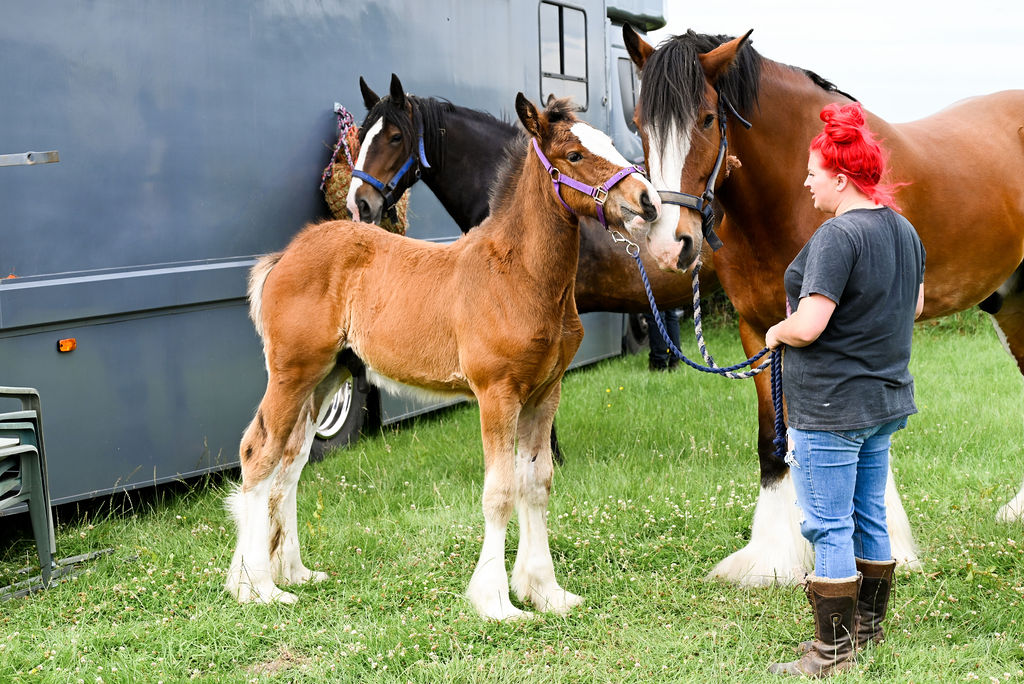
column 777, row 553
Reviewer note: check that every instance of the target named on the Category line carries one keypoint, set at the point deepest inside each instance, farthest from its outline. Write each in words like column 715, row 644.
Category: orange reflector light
column 67, row 344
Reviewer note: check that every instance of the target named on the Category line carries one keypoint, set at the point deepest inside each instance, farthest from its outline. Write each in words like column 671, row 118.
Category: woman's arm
column 805, row 325
column 920, row 303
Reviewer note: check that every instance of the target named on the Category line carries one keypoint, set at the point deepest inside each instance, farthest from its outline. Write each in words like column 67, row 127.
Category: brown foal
column 491, row 315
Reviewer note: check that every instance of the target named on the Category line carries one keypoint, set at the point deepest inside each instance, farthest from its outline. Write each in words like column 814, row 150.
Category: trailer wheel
column 634, row 339
column 345, row 419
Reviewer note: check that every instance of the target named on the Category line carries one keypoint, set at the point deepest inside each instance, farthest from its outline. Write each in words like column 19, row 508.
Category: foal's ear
column 639, row 50
column 397, row 92
column 535, row 123
column 718, row 61
column 370, row 98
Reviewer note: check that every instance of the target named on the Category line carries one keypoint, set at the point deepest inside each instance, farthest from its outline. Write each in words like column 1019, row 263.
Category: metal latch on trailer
column 29, row 158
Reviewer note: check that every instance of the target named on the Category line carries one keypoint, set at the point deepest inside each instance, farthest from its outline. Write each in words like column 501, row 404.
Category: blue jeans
column 839, row 478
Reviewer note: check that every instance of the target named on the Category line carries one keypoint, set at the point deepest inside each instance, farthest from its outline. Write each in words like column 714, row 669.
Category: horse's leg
column 1009, row 324
column 267, row 448
column 776, row 552
column 285, row 557
column 261, row 454
column 533, row 575
column 488, row 588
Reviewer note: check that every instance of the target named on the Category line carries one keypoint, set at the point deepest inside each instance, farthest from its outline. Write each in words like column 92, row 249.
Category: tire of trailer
column 349, row 414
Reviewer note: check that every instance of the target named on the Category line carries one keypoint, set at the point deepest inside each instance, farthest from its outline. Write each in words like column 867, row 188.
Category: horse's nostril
column 650, row 212
column 687, row 243
column 364, row 211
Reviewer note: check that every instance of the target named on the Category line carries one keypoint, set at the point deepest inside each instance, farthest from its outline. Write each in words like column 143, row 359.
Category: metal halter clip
column 632, row 249
column 556, row 175
column 600, row 195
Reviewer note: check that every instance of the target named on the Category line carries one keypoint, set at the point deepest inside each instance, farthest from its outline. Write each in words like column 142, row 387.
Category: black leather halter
column 704, row 202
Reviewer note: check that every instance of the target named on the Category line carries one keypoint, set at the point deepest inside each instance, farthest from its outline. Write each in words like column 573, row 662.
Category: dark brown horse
column 964, row 166
column 490, row 316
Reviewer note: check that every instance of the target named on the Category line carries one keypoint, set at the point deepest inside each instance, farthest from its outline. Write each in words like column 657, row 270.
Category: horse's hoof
column 558, row 601
column 265, row 594
column 1008, row 514
column 305, row 576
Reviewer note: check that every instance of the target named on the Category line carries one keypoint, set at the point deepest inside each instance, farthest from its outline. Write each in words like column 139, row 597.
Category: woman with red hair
column 854, row 290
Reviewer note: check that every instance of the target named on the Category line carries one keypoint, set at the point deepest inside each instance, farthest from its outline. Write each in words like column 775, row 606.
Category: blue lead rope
column 775, row 362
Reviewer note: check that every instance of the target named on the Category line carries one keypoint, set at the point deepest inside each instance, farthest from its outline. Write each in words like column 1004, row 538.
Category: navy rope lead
column 775, row 362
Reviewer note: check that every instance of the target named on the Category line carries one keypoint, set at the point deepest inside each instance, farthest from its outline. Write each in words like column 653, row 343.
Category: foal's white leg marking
column 533, row 575
column 901, row 539
column 286, row 563
column 777, row 552
column 488, row 588
column 350, row 199
column 1013, row 510
column 249, row 576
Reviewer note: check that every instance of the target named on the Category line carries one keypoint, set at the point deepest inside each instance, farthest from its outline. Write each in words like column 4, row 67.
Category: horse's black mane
column 516, row 150
column 826, row 85
column 433, row 112
column 680, row 93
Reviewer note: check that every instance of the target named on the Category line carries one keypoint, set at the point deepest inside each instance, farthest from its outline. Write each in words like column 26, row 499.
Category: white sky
column 904, row 59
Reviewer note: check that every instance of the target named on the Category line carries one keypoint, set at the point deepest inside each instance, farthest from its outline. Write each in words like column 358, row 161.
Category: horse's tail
column 257, row 278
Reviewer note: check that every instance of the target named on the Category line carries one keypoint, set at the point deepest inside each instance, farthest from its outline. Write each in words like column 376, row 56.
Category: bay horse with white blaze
column 491, row 315
column 965, row 195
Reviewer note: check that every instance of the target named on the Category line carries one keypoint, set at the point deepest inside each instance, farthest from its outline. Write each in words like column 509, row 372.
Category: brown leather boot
column 873, row 601
column 834, row 604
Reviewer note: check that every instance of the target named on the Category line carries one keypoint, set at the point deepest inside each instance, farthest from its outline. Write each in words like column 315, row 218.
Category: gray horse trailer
column 173, row 143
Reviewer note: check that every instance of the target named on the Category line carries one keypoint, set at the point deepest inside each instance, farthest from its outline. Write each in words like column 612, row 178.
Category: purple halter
column 599, row 194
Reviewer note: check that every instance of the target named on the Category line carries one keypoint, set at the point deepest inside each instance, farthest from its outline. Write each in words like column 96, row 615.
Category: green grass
column 659, row 484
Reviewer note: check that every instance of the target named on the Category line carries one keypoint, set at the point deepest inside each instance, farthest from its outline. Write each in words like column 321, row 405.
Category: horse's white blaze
column 599, row 143
column 666, row 155
column 350, row 200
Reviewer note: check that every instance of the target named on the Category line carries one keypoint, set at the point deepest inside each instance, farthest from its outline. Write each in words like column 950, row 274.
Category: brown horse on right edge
column 965, row 166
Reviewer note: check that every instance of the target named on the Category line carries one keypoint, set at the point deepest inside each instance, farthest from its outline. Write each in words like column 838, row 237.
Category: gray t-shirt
column 870, row 262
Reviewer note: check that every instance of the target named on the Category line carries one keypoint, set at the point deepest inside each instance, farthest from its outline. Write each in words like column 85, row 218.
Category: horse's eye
column 396, row 138
column 708, row 120
column 575, row 157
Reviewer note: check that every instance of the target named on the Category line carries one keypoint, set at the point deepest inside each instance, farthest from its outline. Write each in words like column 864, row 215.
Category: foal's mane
column 434, row 113
column 511, row 167
column 674, row 65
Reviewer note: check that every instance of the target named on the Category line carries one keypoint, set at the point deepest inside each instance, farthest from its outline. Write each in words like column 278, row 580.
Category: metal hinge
column 29, row 158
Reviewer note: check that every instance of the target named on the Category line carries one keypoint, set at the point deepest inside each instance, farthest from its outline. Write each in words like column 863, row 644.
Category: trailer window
column 563, row 53
column 629, row 88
